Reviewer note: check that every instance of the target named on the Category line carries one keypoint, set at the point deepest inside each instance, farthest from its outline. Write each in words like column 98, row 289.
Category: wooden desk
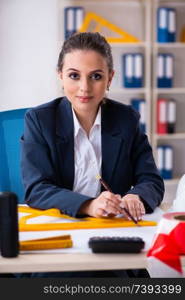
column 73, row 262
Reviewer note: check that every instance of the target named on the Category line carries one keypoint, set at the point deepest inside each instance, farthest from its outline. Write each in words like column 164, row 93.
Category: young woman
column 70, row 140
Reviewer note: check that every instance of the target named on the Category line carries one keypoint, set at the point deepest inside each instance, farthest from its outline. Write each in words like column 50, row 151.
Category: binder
column 128, row 67
column 162, row 25
column 138, row 70
column 160, row 160
column 133, row 69
column 166, row 25
column 140, row 106
column 165, row 161
column 162, row 116
column 169, row 70
column 168, row 162
column 73, row 19
column 160, row 70
column 171, row 116
column 165, row 70
column 171, row 25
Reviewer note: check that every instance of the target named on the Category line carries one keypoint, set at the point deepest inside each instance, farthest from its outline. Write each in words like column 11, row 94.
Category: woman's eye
column 96, row 76
column 74, row 76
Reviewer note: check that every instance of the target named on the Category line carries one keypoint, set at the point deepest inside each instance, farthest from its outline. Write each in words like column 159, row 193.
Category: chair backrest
column 11, row 129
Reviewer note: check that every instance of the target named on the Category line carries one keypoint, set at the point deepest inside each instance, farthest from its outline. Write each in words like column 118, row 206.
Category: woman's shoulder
column 121, row 108
column 48, row 105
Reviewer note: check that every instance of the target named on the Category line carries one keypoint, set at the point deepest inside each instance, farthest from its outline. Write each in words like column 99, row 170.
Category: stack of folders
column 165, row 70
column 166, row 25
column 165, row 161
column 166, row 116
column 73, row 19
column 140, row 106
column 133, row 70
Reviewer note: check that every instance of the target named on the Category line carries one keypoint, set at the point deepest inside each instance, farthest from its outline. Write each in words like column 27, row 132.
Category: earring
column 108, row 88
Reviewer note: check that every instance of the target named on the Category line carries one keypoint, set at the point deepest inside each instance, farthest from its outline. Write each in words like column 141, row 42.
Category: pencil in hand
column 105, row 185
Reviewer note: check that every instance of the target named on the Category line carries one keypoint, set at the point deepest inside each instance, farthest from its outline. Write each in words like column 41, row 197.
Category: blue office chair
column 11, row 129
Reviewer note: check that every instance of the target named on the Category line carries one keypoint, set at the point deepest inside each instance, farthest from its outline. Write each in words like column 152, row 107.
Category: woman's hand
column 134, row 205
column 106, row 204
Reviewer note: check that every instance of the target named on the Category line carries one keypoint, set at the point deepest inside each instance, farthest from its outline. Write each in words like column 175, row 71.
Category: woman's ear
column 60, row 75
column 111, row 75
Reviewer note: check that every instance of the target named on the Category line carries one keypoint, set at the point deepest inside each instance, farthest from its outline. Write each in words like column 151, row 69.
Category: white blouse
column 88, row 157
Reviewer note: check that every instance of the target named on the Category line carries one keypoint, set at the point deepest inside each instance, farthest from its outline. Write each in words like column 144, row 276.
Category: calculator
column 116, row 244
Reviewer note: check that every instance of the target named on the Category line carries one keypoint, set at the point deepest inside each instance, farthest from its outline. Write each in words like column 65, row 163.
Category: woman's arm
column 146, row 181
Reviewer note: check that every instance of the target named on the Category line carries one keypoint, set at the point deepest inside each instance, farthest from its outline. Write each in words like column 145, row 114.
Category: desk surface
column 51, row 262
column 73, row 262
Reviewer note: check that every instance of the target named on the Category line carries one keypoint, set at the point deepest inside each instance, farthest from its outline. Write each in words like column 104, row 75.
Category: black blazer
column 47, row 157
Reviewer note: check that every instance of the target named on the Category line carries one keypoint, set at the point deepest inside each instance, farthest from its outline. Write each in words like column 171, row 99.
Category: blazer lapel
column 65, row 143
column 111, row 142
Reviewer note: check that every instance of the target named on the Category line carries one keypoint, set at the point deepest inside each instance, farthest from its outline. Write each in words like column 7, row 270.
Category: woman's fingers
column 107, row 204
column 134, row 205
column 112, row 204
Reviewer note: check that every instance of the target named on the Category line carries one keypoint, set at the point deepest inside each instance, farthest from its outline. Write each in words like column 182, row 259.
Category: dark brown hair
column 86, row 41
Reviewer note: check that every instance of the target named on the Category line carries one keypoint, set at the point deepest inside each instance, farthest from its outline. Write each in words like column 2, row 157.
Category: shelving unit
column 138, row 17
column 176, row 140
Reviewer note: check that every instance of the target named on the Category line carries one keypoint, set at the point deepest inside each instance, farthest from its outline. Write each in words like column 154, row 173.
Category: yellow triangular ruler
column 99, row 22
column 71, row 223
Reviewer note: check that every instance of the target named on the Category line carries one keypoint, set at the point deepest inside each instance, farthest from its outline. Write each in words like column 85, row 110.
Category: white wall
column 28, row 52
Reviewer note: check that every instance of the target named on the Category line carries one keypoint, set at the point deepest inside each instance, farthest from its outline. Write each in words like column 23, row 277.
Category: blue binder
column 160, row 70
column 140, row 106
column 128, row 69
column 138, row 70
column 168, row 162
column 171, row 25
column 166, row 25
column 133, row 69
column 165, row 161
column 165, row 70
column 160, row 160
column 162, row 25
column 73, row 19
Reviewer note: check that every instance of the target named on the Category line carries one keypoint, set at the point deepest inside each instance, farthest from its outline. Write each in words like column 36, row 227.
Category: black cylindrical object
column 9, row 241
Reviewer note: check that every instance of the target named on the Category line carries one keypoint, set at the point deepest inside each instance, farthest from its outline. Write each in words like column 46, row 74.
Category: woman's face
column 85, row 77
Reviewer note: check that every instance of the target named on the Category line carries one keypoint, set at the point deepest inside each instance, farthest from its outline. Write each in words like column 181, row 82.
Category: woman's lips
column 84, row 99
